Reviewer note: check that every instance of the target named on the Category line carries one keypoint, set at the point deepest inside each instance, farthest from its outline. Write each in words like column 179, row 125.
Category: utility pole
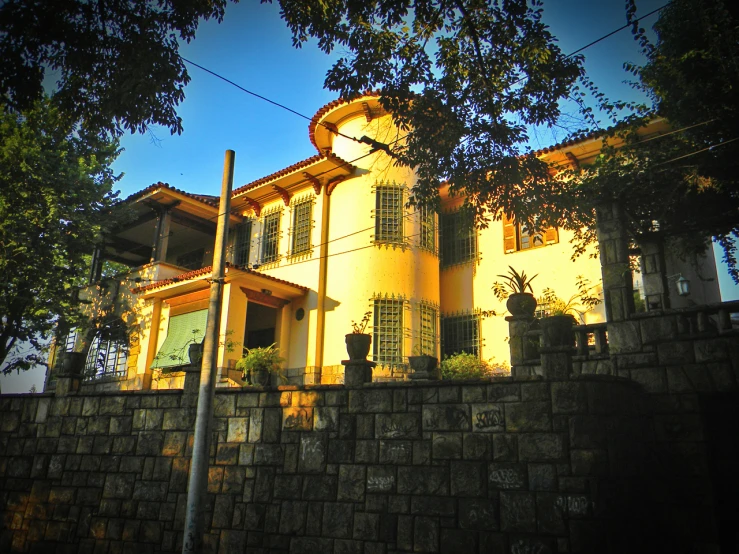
column 194, row 525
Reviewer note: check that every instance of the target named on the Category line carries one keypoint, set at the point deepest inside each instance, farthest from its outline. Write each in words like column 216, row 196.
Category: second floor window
column 270, row 237
column 302, row 223
column 427, row 239
column 389, row 214
column 517, row 236
column 458, row 238
column 242, row 244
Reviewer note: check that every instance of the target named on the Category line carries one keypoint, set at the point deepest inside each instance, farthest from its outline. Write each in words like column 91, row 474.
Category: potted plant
column 561, row 315
column 358, row 342
column 514, row 288
column 464, row 365
column 257, row 365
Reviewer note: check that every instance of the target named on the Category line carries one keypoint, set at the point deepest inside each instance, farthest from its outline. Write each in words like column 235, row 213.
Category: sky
column 253, row 47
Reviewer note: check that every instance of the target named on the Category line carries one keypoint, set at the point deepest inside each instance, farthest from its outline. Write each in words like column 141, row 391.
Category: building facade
column 315, row 247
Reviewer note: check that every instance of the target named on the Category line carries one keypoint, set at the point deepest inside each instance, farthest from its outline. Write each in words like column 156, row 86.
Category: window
column 458, row 238
column 389, row 214
column 517, row 236
column 302, row 223
column 191, row 260
column 270, row 237
column 428, row 333
column 428, row 229
column 106, row 358
column 69, row 341
column 460, row 333
column 388, row 332
column 242, row 244
column 183, row 330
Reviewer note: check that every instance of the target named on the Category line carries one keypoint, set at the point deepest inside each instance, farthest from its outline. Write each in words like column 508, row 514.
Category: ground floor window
column 106, row 358
column 460, row 333
column 428, row 329
column 388, row 333
column 183, row 330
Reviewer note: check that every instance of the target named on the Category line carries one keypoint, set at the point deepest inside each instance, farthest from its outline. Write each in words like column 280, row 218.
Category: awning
column 184, row 330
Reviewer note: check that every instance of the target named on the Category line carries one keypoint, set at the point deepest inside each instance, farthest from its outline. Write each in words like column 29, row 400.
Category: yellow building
column 315, row 246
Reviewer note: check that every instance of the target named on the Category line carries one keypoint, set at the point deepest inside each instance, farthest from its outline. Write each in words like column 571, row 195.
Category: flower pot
column 557, row 330
column 195, row 353
column 424, row 367
column 358, row 345
column 521, row 304
column 260, row 377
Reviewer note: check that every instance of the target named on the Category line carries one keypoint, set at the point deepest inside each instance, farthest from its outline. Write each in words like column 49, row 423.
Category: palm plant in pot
column 514, row 289
column 358, row 342
column 257, row 365
column 561, row 315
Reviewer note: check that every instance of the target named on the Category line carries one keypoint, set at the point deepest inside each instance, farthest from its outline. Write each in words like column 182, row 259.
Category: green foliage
column 118, row 62
column 514, row 283
column 464, row 365
column 55, row 200
column 361, row 327
column 261, row 358
column 576, row 305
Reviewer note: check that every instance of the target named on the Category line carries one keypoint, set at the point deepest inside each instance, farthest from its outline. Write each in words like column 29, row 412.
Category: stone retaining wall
column 507, row 466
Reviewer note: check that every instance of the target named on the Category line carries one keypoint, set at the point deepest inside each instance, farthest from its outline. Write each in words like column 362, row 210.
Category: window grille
column 106, row 358
column 517, row 236
column 460, row 333
column 428, row 229
column 270, row 237
column 458, row 238
column 389, row 214
column 428, row 328
column 70, row 341
column 302, row 223
column 191, row 260
column 242, row 244
column 388, row 331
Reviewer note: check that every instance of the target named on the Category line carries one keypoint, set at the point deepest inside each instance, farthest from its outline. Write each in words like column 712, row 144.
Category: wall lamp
column 682, row 284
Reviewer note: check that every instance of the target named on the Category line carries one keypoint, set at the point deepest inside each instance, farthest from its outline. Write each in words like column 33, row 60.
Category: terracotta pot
column 195, row 353
column 424, row 367
column 260, row 377
column 521, row 304
column 557, row 330
column 358, row 345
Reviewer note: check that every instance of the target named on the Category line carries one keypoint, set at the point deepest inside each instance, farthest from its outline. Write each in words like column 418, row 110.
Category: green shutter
column 173, row 351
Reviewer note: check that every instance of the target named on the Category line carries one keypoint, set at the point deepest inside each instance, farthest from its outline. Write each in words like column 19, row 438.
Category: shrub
column 468, row 366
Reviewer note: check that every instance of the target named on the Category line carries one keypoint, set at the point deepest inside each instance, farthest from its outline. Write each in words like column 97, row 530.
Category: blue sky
column 253, row 48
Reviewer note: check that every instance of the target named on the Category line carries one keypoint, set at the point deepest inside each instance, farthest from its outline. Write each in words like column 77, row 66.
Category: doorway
column 261, row 322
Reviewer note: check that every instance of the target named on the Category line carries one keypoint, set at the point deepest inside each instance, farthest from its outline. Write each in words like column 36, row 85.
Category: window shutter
column 552, row 235
column 509, row 234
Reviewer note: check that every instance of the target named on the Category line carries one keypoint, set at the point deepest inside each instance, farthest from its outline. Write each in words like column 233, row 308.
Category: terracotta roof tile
column 330, row 106
column 204, row 271
column 205, row 199
column 291, row 169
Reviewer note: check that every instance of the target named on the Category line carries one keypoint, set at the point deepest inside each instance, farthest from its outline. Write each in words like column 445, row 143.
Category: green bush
column 468, row 366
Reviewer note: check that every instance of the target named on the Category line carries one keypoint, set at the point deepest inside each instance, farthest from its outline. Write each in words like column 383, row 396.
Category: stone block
column 542, row 477
column 504, row 392
column 292, row 517
column 588, row 431
column 112, row 405
column 365, row 426
column 340, row 451
column 677, row 380
column 149, row 490
column 351, row 483
column 569, row 397
column 395, row 452
column 256, row 421
column 446, row 446
column 297, row 419
column 455, row 541
column 380, row 479
column 711, row 350
column 398, row 426
column 467, row 479
column 233, row 481
column 238, row 429
column 675, row 353
column 528, row 416
column 118, row 486
column 447, row 417
column 518, row 511
column 505, row 447
column 231, row 540
column 326, row 419
column 541, row 447
column 149, row 443
column 366, row 452
column 506, row 476
column 421, row 452
column 551, row 513
column 174, row 443
column 310, row 545
column 478, row 513
column 264, row 454
column 656, row 329
column 272, row 425
column 425, row 480
column 488, row 418
column 472, row 394
column 449, row 395
column 475, row 446
column 320, row 487
column 654, row 380
column 366, row 526
column 624, row 337
column 370, row 401
column 426, row 534
column 338, row 519
column 637, row 360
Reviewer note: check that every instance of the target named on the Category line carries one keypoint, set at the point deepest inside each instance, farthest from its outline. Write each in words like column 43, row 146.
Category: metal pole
column 194, row 525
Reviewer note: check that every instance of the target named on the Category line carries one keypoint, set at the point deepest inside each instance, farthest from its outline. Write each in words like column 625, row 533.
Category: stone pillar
column 357, row 372
column 618, row 288
column 654, row 276
column 519, row 343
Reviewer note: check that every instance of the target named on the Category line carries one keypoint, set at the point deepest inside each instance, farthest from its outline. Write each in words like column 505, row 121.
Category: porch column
column 283, row 333
column 161, row 235
column 233, row 324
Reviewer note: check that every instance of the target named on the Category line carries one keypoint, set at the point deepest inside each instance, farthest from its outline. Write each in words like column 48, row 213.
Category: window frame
column 394, row 331
column 270, row 240
column 455, row 324
column 302, row 226
column 428, row 336
column 242, row 243
column 389, row 214
column 113, row 362
column 456, row 247
column 427, row 224
column 516, row 237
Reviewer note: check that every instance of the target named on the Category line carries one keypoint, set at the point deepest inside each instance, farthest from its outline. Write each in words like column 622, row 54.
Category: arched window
column 106, row 358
